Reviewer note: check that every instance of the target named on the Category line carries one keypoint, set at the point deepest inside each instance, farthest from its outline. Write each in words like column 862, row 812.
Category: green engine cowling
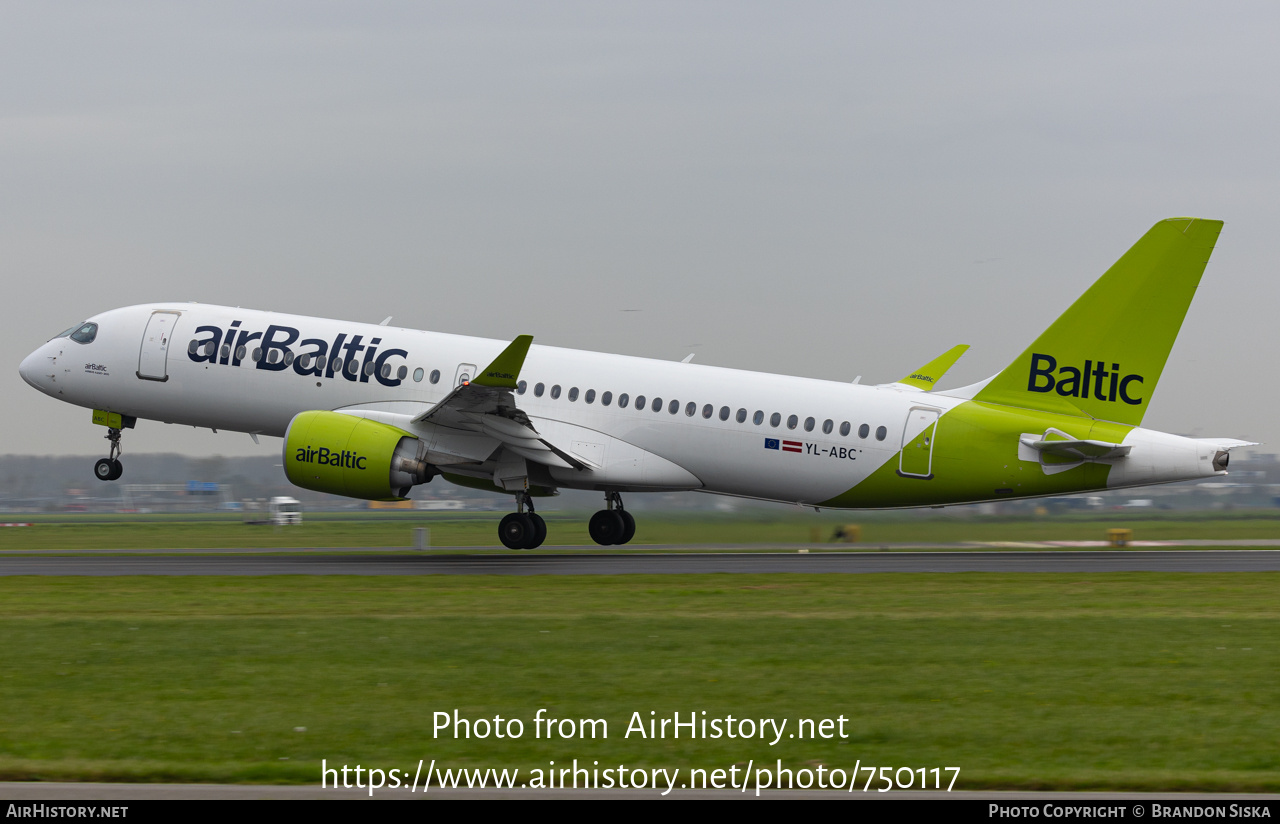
column 356, row 457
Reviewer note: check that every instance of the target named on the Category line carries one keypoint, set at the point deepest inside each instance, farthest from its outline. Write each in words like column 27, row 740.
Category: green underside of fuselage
column 975, row 458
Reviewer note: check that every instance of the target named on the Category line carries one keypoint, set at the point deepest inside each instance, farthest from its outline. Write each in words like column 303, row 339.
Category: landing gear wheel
column 606, row 527
column 539, row 531
column 109, row 468
column 628, row 526
column 515, row 530
column 105, row 469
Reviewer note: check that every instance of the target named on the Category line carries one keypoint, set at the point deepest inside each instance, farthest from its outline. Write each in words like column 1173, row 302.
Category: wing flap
column 542, row 455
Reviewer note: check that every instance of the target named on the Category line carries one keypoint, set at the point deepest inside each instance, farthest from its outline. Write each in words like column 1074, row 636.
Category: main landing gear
column 109, row 468
column 613, row 525
column 520, row 529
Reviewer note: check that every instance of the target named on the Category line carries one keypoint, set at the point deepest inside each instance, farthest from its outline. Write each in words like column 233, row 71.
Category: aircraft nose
column 29, row 369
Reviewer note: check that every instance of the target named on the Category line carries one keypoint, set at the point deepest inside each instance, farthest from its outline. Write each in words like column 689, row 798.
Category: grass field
column 653, row 528
column 1142, row 681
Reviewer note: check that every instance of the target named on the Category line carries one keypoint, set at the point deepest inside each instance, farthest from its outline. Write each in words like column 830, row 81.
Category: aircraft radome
column 370, row 411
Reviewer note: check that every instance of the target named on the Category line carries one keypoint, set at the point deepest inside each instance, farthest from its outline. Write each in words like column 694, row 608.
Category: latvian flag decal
column 786, row 446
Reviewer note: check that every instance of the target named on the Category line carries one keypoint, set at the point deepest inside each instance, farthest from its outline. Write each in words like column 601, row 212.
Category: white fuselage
column 150, row 372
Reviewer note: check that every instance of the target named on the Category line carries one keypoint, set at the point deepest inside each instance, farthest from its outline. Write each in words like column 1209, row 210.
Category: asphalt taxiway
column 602, row 562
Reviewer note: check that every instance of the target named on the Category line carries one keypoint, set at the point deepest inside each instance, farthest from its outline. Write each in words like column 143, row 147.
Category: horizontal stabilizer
column 1227, row 444
column 1076, row 450
column 1056, row 451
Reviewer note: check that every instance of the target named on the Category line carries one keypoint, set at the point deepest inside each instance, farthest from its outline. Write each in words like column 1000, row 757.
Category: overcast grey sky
column 824, row 189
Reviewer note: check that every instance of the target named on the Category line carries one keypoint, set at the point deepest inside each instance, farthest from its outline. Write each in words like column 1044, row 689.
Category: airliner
column 370, row 411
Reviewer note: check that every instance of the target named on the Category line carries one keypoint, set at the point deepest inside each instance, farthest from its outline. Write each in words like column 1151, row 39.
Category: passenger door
column 916, row 458
column 153, row 358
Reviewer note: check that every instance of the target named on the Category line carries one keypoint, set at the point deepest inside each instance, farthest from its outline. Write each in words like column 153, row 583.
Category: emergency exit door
column 465, row 374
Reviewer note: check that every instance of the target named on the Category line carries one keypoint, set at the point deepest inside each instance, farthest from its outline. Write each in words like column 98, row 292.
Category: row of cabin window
column 606, row 398
column 691, row 409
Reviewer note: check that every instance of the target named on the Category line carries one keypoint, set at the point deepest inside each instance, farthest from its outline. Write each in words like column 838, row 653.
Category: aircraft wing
column 487, row 405
column 489, row 393
column 927, row 376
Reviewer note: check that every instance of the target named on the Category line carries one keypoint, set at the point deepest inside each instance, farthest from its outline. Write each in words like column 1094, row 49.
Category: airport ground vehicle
column 285, row 511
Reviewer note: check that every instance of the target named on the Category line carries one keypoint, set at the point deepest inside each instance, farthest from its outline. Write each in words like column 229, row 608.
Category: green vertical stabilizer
column 1103, row 357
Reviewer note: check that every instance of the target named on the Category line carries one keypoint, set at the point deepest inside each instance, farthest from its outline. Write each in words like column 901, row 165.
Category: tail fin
column 1103, row 357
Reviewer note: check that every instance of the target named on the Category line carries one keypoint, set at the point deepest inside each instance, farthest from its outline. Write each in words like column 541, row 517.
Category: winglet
column 505, row 368
column 927, row 376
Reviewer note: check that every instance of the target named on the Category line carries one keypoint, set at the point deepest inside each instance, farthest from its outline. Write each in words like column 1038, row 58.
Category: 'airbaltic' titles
column 328, row 457
column 1072, row 384
column 345, row 357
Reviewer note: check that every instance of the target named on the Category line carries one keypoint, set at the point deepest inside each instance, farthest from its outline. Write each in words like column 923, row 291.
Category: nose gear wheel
column 110, row 468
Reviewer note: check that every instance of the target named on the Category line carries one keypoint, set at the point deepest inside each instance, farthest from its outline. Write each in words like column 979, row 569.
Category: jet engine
column 351, row 456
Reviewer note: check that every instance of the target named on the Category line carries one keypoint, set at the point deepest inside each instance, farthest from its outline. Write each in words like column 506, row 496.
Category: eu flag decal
column 770, row 443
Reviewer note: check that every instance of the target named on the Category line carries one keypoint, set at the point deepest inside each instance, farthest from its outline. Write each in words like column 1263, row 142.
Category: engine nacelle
column 356, row 457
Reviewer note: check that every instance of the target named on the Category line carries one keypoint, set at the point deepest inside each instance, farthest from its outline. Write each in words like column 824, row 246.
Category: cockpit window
column 66, row 333
column 85, row 333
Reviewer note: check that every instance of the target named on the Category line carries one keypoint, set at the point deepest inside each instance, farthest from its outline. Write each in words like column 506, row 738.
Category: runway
column 379, row 562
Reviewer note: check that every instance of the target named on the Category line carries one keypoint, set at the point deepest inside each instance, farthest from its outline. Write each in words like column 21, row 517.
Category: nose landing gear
column 110, row 468
column 520, row 529
column 613, row 525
